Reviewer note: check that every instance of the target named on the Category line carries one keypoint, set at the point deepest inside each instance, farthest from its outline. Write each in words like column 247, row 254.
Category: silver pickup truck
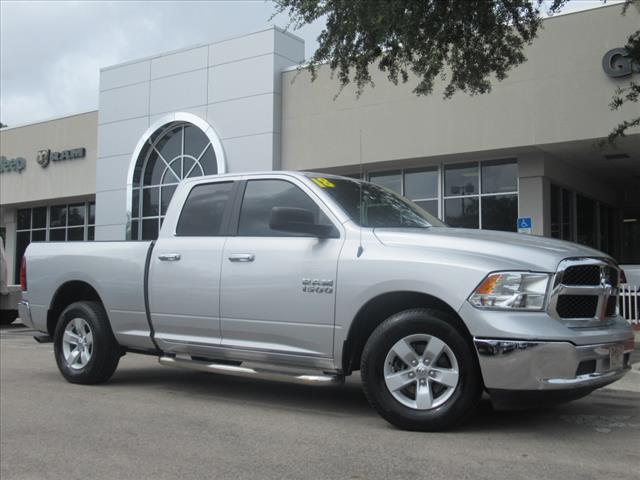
column 308, row 277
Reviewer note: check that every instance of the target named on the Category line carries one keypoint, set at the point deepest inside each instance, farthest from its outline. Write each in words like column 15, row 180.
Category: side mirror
column 299, row 220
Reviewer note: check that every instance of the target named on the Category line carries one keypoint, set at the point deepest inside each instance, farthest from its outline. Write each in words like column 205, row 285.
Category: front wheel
column 84, row 346
column 419, row 372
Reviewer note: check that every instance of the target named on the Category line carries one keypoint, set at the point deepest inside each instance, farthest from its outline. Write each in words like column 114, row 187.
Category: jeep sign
column 12, row 164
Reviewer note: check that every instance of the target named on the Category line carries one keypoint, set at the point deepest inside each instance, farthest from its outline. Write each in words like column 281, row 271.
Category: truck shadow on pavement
column 601, row 411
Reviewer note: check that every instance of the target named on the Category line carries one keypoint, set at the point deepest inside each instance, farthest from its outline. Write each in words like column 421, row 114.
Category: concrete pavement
column 155, row 422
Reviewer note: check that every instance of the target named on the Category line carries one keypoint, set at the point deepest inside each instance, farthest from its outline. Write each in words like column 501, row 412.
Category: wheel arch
column 381, row 307
column 69, row 292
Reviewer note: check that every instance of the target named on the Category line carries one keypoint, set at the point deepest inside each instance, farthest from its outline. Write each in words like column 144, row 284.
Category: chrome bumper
column 24, row 312
column 527, row 365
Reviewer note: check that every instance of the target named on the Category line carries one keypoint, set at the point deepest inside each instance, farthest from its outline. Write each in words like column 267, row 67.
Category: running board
column 282, row 375
column 42, row 338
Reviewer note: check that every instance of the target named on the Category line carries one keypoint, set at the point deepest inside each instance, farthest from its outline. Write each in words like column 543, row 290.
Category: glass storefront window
column 461, row 212
column 24, row 218
column 500, row 212
column 56, row 223
column 430, row 206
column 499, row 176
column 580, row 219
column 76, row 214
column 461, row 179
column 476, row 194
column 390, row 180
column 40, row 217
column 586, row 216
column 567, row 215
column 58, row 216
column 556, row 212
column 421, row 184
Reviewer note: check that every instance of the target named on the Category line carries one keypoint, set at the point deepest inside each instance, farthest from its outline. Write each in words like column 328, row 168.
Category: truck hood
column 523, row 251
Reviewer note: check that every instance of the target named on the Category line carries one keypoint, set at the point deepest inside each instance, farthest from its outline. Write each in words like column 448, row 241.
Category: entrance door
column 278, row 288
column 184, row 275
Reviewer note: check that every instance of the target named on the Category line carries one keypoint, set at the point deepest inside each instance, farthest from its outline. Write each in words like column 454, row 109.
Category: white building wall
column 234, row 84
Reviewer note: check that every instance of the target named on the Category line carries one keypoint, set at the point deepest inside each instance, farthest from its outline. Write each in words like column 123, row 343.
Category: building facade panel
column 238, row 48
column 124, row 103
column 184, row 90
column 125, row 74
column 254, row 153
column 179, row 62
column 111, row 208
column 245, row 116
column 243, row 78
column 53, row 178
column 112, row 172
column 120, row 138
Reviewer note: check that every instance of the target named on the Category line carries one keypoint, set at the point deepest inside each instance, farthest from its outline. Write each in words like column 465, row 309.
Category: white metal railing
column 628, row 302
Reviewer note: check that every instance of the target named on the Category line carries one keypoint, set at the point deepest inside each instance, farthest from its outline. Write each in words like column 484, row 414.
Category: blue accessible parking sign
column 524, row 225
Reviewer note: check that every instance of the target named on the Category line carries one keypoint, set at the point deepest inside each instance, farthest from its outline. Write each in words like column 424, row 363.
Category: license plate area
column 616, row 356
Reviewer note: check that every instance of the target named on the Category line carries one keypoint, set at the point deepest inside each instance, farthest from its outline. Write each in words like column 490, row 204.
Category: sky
column 51, row 51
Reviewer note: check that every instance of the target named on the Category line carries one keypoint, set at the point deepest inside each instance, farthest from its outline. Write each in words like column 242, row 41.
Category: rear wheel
column 85, row 349
column 419, row 372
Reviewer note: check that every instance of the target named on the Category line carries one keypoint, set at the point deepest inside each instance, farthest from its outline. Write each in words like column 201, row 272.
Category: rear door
column 184, row 274
column 279, row 289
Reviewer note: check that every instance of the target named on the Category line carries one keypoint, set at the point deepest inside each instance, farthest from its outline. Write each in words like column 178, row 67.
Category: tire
column 97, row 356
column 439, row 406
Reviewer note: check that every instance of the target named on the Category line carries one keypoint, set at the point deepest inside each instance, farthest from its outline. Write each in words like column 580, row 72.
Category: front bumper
column 538, row 365
column 24, row 312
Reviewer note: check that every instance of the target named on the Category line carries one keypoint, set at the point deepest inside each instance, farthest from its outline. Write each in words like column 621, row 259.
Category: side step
column 282, row 375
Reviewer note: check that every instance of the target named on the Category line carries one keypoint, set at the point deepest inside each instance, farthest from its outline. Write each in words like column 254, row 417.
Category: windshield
column 370, row 205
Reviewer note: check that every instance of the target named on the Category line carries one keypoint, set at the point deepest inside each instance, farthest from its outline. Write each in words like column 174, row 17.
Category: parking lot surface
column 154, row 422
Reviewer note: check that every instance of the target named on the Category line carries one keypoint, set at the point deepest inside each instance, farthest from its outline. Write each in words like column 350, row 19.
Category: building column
column 534, row 193
column 9, row 223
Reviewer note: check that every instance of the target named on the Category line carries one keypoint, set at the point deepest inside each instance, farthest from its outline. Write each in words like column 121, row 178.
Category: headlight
column 511, row 291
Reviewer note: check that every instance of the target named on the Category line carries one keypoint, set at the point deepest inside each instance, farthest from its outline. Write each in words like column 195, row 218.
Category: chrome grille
column 584, row 292
column 582, row 275
column 577, row 306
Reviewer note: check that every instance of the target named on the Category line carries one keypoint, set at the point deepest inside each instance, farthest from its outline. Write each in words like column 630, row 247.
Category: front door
column 184, row 275
column 278, row 288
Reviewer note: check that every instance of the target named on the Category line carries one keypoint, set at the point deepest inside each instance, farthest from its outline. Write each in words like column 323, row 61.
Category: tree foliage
column 464, row 42
column 631, row 92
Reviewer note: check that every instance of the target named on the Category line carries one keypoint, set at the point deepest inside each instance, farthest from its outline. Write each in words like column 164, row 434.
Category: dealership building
column 527, row 150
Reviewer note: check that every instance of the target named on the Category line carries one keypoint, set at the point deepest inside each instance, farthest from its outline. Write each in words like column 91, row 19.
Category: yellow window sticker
column 322, row 182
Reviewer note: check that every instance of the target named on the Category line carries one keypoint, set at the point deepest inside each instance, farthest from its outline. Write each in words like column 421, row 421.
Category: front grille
column 584, row 292
column 577, row 306
column 582, row 275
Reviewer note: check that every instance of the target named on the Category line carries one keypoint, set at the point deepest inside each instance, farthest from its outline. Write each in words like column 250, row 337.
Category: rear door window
column 203, row 211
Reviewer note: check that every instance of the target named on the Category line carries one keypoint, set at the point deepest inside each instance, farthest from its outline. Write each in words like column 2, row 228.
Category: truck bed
column 115, row 269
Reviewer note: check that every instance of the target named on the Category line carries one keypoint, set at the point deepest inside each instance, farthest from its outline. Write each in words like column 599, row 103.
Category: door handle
column 241, row 257
column 169, row 257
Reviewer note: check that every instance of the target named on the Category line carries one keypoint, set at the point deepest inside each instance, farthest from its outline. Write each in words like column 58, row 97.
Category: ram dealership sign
column 43, row 157
column 618, row 63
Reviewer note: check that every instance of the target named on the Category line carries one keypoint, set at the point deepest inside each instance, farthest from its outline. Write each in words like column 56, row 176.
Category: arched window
column 169, row 153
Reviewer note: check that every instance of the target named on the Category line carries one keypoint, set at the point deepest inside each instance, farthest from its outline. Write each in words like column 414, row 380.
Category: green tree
column 466, row 43
column 631, row 92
